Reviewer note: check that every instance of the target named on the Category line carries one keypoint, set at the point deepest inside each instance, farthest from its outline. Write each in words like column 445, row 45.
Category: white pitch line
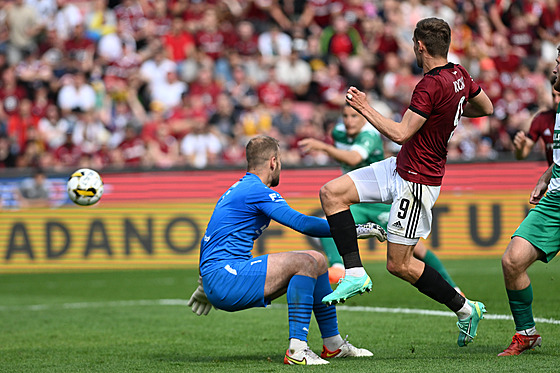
column 183, row 302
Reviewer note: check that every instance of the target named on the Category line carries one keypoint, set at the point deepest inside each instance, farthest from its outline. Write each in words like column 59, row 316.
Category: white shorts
column 411, row 204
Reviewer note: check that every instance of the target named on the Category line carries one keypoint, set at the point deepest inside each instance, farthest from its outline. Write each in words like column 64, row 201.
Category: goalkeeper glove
column 198, row 302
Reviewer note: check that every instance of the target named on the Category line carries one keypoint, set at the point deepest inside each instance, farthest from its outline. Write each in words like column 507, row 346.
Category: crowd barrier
column 157, row 219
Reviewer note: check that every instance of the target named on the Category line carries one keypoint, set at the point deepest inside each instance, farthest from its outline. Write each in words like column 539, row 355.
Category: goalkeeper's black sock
column 343, row 231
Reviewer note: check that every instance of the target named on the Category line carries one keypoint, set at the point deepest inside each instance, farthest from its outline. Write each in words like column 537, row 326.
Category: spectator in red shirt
column 505, row 59
column 11, row 94
column 67, row 155
column 206, row 87
column 79, row 49
column 159, row 22
column 20, row 123
column 41, row 101
column 179, row 43
column 271, row 93
column 215, row 43
column 192, row 11
column 210, row 40
column 317, row 13
column 156, row 118
column 133, row 148
column 163, row 150
column 247, row 41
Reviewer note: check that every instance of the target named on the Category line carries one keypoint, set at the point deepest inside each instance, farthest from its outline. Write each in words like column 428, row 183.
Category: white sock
column 297, row 344
column 465, row 311
column 333, row 343
column 530, row 331
column 356, row 272
column 338, row 265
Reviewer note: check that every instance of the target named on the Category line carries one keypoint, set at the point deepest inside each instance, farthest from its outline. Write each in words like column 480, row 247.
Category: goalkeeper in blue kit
column 232, row 280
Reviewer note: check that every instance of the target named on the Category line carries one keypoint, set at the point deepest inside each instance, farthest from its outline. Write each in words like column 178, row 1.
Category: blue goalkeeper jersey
column 241, row 215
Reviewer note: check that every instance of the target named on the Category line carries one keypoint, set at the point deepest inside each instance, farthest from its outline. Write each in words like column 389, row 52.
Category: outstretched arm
column 349, row 157
column 309, row 225
column 397, row 132
column 318, row 227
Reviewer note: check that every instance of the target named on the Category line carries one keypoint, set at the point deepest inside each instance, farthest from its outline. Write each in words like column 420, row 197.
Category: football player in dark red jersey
column 411, row 181
column 542, row 126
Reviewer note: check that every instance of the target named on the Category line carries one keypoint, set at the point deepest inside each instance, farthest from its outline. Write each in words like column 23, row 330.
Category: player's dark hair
column 435, row 33
column 260, row 149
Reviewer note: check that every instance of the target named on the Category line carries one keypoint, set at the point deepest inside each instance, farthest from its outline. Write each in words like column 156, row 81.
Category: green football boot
column 469, row 325
column 347, row 288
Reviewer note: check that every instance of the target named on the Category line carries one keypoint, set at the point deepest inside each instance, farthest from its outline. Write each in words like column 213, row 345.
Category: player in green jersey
column 358, row 144
column 536, row 238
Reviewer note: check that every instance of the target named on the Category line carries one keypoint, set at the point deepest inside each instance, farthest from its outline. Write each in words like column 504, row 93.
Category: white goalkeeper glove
column 369, row 230
column 198, row 302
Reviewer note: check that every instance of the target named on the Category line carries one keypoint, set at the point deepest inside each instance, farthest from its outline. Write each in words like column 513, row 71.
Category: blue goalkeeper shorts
column 237, row 285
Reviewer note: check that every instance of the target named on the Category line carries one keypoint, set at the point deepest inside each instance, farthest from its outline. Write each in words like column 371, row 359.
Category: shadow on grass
column 191, row 358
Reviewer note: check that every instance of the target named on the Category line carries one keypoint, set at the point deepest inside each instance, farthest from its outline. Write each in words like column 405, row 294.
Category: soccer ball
column 85, row 187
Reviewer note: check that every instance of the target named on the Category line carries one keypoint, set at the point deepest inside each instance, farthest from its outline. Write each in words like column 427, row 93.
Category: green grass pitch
column 137, row 321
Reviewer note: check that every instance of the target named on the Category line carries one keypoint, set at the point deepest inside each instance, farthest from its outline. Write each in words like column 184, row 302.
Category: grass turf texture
column 115, row 322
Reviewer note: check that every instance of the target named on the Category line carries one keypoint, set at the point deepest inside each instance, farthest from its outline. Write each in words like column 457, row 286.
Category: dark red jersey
column 543, row 126
column 440, row 97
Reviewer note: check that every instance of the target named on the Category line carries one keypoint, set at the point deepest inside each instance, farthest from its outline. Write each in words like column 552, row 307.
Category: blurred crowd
column 161, row 84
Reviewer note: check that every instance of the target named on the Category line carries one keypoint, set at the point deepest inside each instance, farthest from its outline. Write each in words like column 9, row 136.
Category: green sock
column 433, row 261
column 330, row 250
column 520, row 303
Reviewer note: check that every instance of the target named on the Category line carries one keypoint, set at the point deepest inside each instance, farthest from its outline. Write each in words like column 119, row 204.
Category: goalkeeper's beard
column 275, row 180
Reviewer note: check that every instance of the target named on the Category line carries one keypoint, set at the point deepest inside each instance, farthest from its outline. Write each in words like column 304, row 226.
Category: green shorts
column 541, row 227
column 374, row 212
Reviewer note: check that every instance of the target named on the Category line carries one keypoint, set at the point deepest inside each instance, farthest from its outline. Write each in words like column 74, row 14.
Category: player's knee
column 326, row 193
column 510, row 264
column 308, row 264
column 322, row 264
column 396, row 268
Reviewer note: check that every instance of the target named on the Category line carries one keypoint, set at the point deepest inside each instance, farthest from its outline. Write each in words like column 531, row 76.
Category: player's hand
column 198, row 302
column 369, row 230
column 310, row 144
column 356, row 98
column 519, row 140
column 538, row 192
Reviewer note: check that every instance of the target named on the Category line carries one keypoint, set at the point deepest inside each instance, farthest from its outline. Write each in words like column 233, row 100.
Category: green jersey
column 367, row 143
column 554, row 185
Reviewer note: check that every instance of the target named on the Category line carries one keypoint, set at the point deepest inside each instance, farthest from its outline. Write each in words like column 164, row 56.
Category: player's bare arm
column 541, row 187
column 478, row 106
column 395, row 131
column 349, row 157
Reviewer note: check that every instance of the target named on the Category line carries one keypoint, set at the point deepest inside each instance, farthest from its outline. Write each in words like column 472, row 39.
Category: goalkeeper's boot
column 469, row 325
column 347, row 288
column 303, row 357
column 369, row 230
column 345, row 350
column 521, row 343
